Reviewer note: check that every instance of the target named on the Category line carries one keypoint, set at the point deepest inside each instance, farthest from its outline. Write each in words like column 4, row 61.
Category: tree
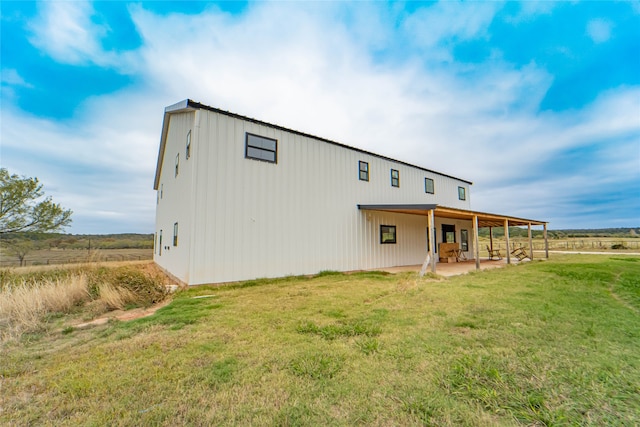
column 20, row 248
column 22, row 208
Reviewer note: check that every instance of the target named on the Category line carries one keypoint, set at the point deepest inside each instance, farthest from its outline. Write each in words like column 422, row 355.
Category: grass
column 543, row 343
column 33, row 300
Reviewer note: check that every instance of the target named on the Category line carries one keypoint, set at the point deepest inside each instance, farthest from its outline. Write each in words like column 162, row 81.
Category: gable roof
column 188, row 104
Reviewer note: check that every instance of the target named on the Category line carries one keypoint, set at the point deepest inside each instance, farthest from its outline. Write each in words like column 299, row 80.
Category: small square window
column 188, row 150
column 428, row 186
column 261, row 148
column 462, row 193
column 177, row 163
column 175, row 234
column 395, row 178
column 364, row 171
column 387, row 234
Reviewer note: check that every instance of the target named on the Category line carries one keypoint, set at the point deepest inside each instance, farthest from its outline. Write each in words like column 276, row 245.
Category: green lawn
column 544, row 343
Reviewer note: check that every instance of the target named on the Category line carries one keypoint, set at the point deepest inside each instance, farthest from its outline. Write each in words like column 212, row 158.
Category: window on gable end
column 188, row 147
column 175, row 234
column 428, row 186
column 395, row 178
column 462, row 193
column 363, row 171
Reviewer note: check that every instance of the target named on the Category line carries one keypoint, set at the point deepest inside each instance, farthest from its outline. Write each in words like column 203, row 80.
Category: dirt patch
column 124, row 315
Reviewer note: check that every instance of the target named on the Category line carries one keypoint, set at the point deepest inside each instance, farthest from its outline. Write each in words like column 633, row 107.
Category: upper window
column 428, row 186
column 462, row 193
column 364, row 171
column 175, row 234
column 177, row 163
column 387, row 234
column 395, row 178
column 188, row 150
column 261, row 148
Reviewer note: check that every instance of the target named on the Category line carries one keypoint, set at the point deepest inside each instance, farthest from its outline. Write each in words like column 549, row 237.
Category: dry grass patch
column 31, row 298
column 23, row 305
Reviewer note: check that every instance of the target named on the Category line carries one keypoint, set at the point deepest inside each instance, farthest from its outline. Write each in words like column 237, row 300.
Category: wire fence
column 75, row 256
column 569, row 245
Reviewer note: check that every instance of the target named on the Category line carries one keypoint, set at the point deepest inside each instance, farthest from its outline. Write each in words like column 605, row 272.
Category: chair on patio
column 520, row 253
column 494, row 253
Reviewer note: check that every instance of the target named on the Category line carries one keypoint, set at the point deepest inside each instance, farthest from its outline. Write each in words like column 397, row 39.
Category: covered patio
column 478, row 220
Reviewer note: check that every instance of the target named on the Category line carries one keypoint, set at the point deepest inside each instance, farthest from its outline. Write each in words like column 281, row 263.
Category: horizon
column 536, row 103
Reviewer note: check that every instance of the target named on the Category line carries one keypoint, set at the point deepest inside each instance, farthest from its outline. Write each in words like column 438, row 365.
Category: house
column 238, row 199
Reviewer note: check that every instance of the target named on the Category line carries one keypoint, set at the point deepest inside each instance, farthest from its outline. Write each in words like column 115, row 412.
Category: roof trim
column 189, row 104
column 178, row 107
column 484, row 219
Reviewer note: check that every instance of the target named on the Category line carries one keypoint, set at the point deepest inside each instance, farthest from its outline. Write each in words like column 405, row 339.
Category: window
column 464, row 240
column 462, row 193
column 261, row 148
column 175, row 234
column 387, row 234
column 161, row 190
column 395, row 178
column 364, row 171
column 177, row 162
column 428, row 186
column 188, row 151
column 160, row 244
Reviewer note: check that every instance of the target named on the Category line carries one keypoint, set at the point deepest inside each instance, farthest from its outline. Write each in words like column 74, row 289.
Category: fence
column 75, row 256
column 567, row 245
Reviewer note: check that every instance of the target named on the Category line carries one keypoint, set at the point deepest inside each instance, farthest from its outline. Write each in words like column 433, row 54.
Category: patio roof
column 484, row 219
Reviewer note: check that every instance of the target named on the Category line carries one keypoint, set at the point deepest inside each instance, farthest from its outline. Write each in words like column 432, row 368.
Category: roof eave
column 178, row 107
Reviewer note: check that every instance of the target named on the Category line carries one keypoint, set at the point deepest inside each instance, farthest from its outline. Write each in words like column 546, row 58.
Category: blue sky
column 537, row 103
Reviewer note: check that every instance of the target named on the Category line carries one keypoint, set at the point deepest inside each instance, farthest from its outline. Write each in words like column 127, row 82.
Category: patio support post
column 476, row 241
column 546, row 242
column 432, row 244
column 506, row 238
column 490, row 237
column 530, row 244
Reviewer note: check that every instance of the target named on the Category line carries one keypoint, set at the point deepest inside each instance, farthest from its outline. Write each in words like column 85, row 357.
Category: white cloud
column 11, row 77
column 66, row 31
column 307, row 68
column 599, row 30
column 442, row 23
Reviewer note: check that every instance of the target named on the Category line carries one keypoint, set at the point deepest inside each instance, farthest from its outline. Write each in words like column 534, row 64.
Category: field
column 542, row 343
column 72, row 256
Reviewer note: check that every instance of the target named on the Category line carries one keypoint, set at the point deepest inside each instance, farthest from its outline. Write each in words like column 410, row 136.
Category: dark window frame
column 175, row 234
column 462, row 193
column 464, row 240
column 248, row 147
column 188, row 146
column 433, row 186
column 395, row 180
column 389, row 229
column 177, row 163
column 362, row 171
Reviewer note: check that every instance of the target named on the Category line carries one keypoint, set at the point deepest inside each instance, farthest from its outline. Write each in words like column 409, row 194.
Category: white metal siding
column 299, row 216
column 175, row 203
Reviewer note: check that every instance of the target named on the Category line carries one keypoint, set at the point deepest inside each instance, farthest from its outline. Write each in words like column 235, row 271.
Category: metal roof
column 189, row 104
column 484, row 219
